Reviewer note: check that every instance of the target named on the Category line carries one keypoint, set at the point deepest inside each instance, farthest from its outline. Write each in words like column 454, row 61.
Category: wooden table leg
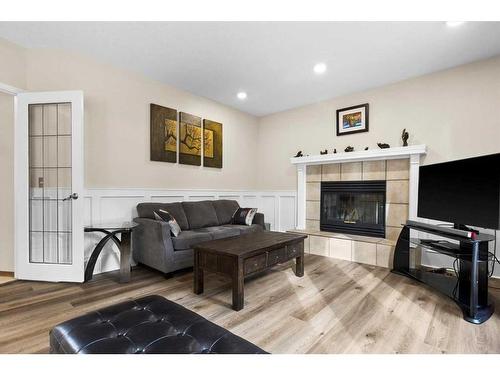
column 299, row 266
column 238, row 287
column 198, row 274
column 125, row 257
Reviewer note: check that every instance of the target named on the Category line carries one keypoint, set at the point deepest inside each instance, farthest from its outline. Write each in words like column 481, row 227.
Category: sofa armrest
column 153, row 225
column 152, row 242
column 259, row 219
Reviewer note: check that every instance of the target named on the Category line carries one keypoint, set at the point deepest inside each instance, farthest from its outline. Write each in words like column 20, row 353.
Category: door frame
column 39, row 271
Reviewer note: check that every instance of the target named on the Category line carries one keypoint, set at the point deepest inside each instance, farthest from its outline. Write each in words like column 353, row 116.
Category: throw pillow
column 163, row 215
column 244, row 216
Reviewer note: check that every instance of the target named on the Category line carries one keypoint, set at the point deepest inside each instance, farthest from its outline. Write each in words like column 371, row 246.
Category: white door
column 48, row 175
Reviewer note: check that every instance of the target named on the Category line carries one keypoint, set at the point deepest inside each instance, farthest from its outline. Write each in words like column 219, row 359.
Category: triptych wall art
column 189, row 138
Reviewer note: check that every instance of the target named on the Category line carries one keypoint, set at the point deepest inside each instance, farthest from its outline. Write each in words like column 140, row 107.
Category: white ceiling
column 271, row 61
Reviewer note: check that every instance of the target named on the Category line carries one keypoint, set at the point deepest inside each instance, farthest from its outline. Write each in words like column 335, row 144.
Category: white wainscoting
column 115, row 205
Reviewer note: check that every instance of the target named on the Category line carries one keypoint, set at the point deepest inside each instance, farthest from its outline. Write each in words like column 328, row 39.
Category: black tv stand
column 464, row 227
column 469, row 287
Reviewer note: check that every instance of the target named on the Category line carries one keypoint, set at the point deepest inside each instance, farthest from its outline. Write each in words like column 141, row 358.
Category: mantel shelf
column 375, row 154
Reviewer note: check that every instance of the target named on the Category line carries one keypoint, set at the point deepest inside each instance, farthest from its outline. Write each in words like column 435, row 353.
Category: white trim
column 23, row 268
column 8, row 89
column 301, row 195
column 375, row 154
column 413, row 186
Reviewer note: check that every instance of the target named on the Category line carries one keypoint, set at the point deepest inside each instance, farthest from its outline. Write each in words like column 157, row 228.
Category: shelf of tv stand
column 451, row 249
column 481, row 237
column 469, row 287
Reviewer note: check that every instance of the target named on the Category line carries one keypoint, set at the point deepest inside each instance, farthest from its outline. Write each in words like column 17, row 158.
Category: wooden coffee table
column 245, row 255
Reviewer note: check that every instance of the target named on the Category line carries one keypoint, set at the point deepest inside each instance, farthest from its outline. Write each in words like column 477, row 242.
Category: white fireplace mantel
column 375, row 154
column 410, row 152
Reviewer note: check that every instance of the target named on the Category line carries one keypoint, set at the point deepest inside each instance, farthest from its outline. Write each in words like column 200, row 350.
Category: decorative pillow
column 244, row 216
column 163, row 215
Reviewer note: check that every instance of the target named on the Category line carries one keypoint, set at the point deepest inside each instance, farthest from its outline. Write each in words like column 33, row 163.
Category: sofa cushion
column 145, row 210
column 244, row 216
column 225, row 208
column 162, row 215
column 220, row 232
column 200, row 214
column 244, row 229
column 188, row 238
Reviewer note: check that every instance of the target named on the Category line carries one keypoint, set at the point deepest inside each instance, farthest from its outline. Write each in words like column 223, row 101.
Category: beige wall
column 117, row 126
column 6, row 182
column 12, row 64
column 453, row 112
column 13, row 73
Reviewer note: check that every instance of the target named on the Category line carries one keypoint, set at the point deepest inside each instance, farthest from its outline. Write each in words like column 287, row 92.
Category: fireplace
column 354, row 207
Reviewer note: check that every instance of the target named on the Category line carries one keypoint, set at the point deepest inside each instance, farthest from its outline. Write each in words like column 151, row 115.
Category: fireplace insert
column 354, row 207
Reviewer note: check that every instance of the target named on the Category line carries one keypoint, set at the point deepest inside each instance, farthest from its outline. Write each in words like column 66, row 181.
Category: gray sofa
column 156, row 247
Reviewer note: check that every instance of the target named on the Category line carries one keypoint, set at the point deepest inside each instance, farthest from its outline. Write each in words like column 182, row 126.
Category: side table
column 110, row 231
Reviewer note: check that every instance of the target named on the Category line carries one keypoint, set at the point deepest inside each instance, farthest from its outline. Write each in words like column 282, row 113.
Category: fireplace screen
column 356, row 207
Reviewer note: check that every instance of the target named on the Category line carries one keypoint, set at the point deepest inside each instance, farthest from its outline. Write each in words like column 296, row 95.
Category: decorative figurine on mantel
column 383, row 145
column 299, row 154
column 323, row 152
column 405, row 137
column 366, row 148
column 349, row 149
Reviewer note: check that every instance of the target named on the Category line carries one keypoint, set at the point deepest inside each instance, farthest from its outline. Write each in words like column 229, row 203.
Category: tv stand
column 469, row 287
column 465, row 227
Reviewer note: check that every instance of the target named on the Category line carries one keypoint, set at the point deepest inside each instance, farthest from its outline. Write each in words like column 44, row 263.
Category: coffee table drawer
column 254, row 264
column 276, row 256
column 294, row 250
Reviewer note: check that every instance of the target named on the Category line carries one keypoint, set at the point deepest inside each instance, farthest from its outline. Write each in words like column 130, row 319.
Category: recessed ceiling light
column 454, row 23
column 242, row 95
column 319, row 68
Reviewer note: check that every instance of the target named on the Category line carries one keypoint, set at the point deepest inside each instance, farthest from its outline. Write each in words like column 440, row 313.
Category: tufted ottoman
column 151, row 324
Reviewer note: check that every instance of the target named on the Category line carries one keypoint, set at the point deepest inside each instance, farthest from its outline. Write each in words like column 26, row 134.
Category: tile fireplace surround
column 397, row 166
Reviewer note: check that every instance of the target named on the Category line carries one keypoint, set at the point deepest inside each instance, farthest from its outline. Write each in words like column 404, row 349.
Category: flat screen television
column 463, row 192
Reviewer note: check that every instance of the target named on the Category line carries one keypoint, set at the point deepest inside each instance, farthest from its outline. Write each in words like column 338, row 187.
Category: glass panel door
column 50, row 188
column 48, row 172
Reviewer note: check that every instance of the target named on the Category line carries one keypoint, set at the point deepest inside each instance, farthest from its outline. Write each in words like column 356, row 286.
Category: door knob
column 71, row 196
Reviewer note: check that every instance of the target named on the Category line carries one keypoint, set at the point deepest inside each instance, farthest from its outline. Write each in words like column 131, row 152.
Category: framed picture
column 189, row 139
column 163, row 133
column 352, row 119
column 212, row 144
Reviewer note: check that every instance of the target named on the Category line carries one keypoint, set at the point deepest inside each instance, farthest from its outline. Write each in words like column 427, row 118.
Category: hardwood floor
column 6, row 279
column 337, row 307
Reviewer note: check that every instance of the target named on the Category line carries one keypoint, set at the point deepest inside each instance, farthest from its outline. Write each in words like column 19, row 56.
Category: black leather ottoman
column 151, row 324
